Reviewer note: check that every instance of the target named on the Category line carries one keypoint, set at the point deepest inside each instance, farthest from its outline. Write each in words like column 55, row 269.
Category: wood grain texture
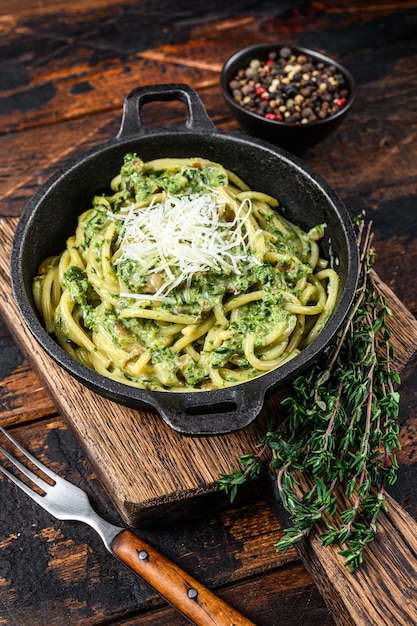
column 235, row 547
column 127, row 447
column 123, row 443
column 107, row 431
column 390, row 566
column 192, row 46
column 274, row 599
column 65, row 68
column 186, row 594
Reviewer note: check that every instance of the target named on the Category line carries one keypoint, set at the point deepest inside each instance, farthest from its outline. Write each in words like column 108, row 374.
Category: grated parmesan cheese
column 180, row 236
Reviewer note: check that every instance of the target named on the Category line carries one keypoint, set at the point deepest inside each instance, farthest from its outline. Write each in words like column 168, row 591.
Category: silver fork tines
column 25, row 470
column 68, row 502
column 62, row 499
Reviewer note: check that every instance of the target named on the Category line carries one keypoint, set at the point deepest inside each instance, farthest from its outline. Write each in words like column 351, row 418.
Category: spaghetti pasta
column 183, row 278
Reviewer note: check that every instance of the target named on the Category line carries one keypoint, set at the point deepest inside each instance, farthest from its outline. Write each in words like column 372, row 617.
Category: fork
column 66, row 501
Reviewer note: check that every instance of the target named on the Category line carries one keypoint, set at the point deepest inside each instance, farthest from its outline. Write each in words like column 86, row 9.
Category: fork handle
column 189, row 597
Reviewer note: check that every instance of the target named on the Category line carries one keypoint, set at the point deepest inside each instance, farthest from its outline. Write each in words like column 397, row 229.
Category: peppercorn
column 289, row 87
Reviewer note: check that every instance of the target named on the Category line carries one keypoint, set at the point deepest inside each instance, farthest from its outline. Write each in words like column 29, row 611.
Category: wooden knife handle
column 189, row 597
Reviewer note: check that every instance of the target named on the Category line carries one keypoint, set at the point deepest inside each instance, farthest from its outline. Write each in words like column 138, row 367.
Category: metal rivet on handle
column 192, row 594
column 143, row 555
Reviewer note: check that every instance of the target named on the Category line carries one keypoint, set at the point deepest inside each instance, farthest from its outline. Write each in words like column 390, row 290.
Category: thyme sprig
column 334, row 451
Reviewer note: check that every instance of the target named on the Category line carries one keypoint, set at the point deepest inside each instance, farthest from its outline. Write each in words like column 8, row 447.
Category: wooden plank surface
column 149, row 470
column 53, row 107
column 382, row 592
column 44, row 556
column 178, row 474
column 172, row 473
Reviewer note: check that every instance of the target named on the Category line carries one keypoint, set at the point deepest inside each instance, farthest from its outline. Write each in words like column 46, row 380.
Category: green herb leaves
column 335, row 450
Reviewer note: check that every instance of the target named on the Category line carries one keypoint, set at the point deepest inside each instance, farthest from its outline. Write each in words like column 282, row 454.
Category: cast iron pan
column 51, row 216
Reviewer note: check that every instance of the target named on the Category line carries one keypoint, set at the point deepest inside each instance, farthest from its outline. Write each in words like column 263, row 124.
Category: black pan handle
column 190, row 413
column 131, row 125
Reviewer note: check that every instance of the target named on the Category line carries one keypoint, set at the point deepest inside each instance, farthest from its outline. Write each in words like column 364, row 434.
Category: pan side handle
column 232, row 408
column 198, row 120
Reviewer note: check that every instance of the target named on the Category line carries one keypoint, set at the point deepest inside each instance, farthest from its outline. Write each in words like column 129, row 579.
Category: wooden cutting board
column 153, row 474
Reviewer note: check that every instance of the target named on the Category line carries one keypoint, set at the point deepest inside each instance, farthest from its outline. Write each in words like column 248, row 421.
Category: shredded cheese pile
column 179, row 237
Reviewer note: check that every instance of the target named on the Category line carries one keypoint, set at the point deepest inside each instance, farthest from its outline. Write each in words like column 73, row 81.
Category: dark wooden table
column 64, row 71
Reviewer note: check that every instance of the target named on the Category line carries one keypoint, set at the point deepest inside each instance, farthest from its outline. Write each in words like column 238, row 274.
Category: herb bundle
column 334, row 451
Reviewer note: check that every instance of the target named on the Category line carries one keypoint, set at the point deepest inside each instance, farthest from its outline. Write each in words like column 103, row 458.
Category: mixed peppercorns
column 290, row 87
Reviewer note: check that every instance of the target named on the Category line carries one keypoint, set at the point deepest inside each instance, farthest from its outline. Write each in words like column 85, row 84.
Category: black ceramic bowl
column 293, row 136
column 51, row 216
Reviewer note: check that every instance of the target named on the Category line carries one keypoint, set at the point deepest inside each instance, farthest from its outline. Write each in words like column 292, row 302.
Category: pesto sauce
column 140, row 183
column 201, row 293
column 96, row 218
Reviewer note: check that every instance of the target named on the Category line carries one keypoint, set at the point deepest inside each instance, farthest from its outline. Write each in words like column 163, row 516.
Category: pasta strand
column 183, row 277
